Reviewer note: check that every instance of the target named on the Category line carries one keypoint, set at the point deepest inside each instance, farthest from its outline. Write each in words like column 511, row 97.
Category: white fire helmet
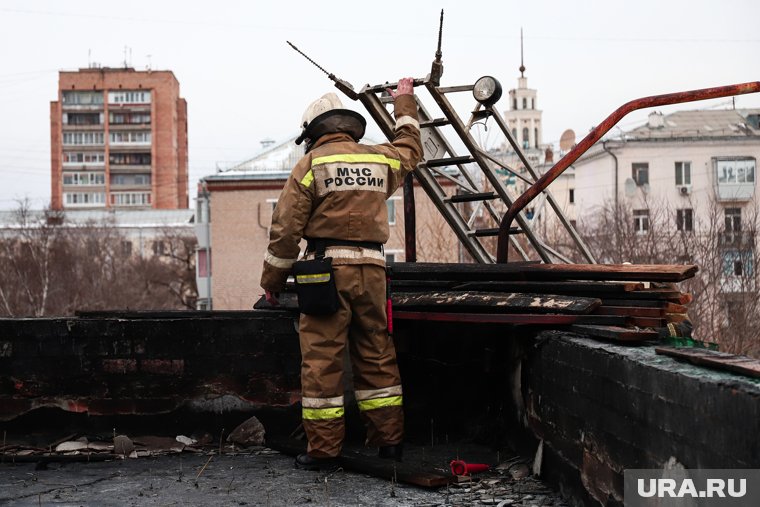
column 326, row 115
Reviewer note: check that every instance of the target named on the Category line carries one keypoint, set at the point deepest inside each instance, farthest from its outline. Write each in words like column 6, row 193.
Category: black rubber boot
column 306, row 462
column 394, row 452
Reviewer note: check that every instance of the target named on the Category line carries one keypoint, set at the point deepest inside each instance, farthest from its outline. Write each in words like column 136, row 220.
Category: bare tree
column 54, row 268
column 725, row 293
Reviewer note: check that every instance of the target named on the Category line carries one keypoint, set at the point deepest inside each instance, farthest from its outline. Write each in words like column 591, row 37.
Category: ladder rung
column 441, row 162
column 471, row 197
column 435, row 122
column 494, row 232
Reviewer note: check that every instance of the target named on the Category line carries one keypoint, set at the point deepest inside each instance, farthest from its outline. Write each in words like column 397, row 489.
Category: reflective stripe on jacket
column 338, row 190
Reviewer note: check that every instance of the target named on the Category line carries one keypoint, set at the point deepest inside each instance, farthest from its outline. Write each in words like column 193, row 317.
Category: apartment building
column 118, row 140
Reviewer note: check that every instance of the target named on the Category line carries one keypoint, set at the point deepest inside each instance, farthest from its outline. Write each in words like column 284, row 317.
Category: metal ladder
column 479, row 187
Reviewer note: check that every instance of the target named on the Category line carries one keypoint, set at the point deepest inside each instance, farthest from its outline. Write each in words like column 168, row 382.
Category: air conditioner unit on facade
column 685, row 190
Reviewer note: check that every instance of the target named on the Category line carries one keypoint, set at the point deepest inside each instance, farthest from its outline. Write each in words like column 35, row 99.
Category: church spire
column 522, row 66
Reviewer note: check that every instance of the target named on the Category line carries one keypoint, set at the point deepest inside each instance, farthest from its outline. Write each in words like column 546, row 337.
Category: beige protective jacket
column 338, row 191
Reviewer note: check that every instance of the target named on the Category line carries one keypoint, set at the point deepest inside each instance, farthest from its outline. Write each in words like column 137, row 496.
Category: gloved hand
column 272, row 297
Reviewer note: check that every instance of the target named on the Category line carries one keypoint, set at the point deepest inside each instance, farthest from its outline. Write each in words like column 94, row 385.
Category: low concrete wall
column 602, row 408
column 150, row 364
column 599, row 408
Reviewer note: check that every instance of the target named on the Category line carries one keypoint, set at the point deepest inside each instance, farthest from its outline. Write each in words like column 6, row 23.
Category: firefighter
column 335, row 199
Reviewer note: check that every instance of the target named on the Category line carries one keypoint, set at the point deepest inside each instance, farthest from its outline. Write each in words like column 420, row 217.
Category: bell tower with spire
column 523, row 116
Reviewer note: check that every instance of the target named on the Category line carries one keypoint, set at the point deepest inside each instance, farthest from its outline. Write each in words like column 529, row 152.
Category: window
column 70, row 138
column 525, row 137
column 514, row 134
column 641, row 173
column 160, row 248
column 130, row 179
column 204, row 263
column 392, row 256
column 735, row 171
column 572, row 195
column 129, row 97
column 514, row 103
column 130, row 198
column 535, row 137
column 129, row 118
column 84, row 198
column 83, row 158
column 685, row 220
column 84, row 178
column 126, row 248
column 738, row 263
column 82, row 118
column 76, row 98
column 525, row 103
column 683, row 173
column 391, row 204
column 641, row 220
column 130, row 137
column 129, row 158
column 733, row 218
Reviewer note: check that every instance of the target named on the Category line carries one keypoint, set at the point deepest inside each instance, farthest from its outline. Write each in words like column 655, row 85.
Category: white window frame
column 391, row 206
column 683, row 172
column 682, row 224
column 129, row 97
column 85, row 178
column 84, row 199
column 131, row 198
column 641, row 221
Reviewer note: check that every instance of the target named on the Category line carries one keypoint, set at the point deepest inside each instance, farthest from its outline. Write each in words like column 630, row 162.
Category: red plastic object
column 459, row 467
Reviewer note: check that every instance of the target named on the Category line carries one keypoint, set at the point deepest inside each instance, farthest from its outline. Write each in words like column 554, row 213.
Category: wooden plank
column 558, row 272
column 630, row 311
column 615, row 333
column 641, row 303
column 500, row 301
column 578, row 288
column 714, row 359
column 489, row 318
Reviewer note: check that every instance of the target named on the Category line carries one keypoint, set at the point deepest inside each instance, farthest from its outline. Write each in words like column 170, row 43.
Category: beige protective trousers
column 360, row 323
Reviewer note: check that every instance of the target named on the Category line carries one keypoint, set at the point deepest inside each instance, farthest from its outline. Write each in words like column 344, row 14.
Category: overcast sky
column 243, row 83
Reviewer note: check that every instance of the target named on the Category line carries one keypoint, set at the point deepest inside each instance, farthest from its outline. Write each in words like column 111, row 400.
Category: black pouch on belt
column 315, row 285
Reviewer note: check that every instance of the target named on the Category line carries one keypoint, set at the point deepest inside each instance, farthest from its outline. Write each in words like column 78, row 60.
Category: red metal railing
column 595, row 135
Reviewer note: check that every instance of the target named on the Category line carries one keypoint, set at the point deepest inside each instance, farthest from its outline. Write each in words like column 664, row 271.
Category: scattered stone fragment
column 123, row 445
column 69, row 446
column 519, row 471
column 100, row 446
column 182, row 439
column 250, row 432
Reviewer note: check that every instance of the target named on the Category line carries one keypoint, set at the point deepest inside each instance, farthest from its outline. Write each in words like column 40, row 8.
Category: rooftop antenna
column 125, row 56
column 436, row 70
column 340, row 84
column 89, row 58
column 149, row 62
column 522, row 66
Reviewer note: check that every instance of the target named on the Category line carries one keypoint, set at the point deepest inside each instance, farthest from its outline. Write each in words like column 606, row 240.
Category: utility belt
column 314, row 245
